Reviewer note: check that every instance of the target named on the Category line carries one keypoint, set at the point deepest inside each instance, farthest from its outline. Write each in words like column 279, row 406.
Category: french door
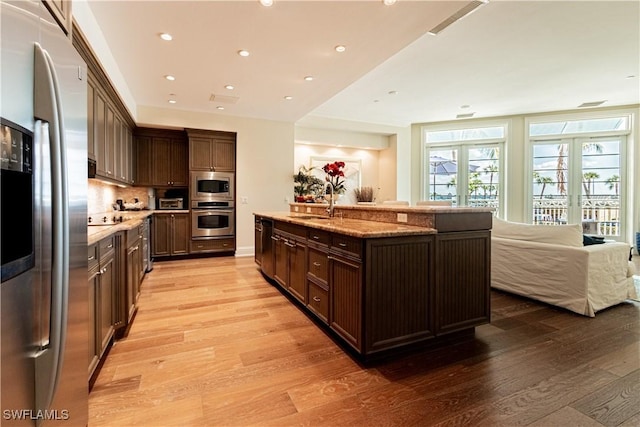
column 478, row 166
column 580, row 180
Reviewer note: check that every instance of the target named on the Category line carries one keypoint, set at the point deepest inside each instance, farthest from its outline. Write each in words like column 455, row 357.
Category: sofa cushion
column 567, row 235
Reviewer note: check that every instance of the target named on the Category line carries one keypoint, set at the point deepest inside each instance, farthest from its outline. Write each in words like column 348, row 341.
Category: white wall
column 264, row 159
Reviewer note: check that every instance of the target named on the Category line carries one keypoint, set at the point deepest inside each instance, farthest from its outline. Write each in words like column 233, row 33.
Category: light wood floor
column 214, row 344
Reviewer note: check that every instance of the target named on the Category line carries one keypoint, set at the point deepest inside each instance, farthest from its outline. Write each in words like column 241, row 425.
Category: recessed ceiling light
column 465, row 116
column 340, row 48
column 230, row 87
column 266, row 2
column 172, row 101
column 388, row 2
column 308, row 78
column 393, row 92
column 465, row 106
column 288, row 97
column 169, row 77
column 166, row 36
column 220, row 107
column 243, row 52
column 376, row 100
column 630, row 76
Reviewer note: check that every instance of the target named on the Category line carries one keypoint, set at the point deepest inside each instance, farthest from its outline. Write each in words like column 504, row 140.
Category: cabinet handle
column 275, row 238
column 317, row 264
column 110, row 245
column 315, row 237
column 316, row 299
column 91, row 258
column 291, row 245
column 344, row 245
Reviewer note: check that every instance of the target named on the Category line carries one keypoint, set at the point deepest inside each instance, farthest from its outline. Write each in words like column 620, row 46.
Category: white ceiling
column 507, row 57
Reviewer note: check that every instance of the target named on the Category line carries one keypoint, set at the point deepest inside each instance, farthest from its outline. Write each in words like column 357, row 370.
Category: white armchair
column 549, row 263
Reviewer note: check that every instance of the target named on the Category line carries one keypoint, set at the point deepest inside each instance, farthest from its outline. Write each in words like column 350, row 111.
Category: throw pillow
column 592, row 240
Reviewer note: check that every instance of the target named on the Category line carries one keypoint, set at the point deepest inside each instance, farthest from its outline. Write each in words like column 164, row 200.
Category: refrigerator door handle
column 48, row 108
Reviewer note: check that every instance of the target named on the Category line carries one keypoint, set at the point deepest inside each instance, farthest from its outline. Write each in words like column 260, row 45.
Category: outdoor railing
column 600, row 214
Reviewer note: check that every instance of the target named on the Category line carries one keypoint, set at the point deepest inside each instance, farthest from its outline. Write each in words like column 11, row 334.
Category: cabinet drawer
column 92, row 256
column 293, row 229
column 319, row 236
column 212, row 245
column 318, row 301
column 351, row 245
column 107, row 246
column 318, row 264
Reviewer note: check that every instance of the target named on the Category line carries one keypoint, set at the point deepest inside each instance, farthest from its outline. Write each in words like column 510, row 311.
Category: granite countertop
column 131, row 219
column 351, row 227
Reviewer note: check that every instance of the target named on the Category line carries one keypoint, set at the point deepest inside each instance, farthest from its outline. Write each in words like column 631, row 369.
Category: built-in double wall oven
column 214, row 218
column 212, row 205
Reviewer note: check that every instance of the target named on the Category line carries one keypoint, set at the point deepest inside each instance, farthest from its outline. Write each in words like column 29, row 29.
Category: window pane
column 443, row 171
column 465, row 134
column 484, row 177
column 579, row 126
column 601, row 187
column 550, row 183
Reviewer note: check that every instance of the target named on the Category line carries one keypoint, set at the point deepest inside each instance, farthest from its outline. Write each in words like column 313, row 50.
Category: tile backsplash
column 102, row 196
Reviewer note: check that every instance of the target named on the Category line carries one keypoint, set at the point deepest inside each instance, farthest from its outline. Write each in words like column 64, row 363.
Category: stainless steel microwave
column 212, row 185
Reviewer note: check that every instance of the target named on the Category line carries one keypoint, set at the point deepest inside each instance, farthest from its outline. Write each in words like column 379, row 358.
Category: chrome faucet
column 330, row 208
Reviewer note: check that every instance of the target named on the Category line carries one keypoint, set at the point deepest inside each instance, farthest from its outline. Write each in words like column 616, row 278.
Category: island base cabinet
column 399, row 292
column 345, row 281
column 462, row 291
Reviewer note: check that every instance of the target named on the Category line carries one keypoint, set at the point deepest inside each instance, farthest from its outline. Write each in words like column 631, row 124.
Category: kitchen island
column 380, row 286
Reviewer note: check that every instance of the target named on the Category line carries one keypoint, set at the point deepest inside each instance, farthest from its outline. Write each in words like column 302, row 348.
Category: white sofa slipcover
column 549, row 263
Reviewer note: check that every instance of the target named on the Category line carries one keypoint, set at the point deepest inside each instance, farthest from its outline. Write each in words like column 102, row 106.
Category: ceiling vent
column 465, row 116
column 591, row 104
column 470, row 7
column 223, row 99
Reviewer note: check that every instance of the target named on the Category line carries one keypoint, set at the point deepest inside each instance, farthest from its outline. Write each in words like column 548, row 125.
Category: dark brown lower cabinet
column 171, row 234
column 291, row 262
column 379, row 295
column 103, row 285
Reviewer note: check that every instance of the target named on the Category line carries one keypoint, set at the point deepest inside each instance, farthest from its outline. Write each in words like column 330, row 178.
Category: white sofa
column 549, row 263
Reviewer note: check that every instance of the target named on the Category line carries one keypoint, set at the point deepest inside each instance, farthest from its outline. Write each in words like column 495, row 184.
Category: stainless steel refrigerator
column 43, row 165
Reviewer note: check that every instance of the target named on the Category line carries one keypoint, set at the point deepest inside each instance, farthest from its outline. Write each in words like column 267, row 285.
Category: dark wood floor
column 214, row 344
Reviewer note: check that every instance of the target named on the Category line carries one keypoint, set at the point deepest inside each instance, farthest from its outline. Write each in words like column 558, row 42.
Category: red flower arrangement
column 334, row 173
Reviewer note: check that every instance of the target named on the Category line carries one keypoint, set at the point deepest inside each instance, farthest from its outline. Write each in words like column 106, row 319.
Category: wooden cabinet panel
column 161, row 158
column 298, row 270
column 462, row 290
column 93, row 348
column 318, row 267
column 143, row 161
column 281, row 266
column 318, row 301
column 346, row 300
column 61, row 11
column 91, row 143
column 212, row 150
column 161, row 171
column 171, row 234
column 100, row 134
column 181, row 234
column 200, row 153
column 212, row 245
column 225, row 156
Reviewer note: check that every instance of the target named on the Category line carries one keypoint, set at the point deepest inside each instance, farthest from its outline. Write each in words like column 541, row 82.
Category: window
column 578, row 174
column 467, row 155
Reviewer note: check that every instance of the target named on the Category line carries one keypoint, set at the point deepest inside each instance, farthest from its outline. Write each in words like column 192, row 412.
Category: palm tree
column 588, row 183
column 614, row 183
column 542, row 180
column 561, row 166
column 491, row 170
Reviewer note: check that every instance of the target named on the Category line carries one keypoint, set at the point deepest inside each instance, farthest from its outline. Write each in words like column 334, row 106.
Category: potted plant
column 306, row 184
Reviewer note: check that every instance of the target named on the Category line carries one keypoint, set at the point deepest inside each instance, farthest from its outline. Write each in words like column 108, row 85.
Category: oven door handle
column 211, row 211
